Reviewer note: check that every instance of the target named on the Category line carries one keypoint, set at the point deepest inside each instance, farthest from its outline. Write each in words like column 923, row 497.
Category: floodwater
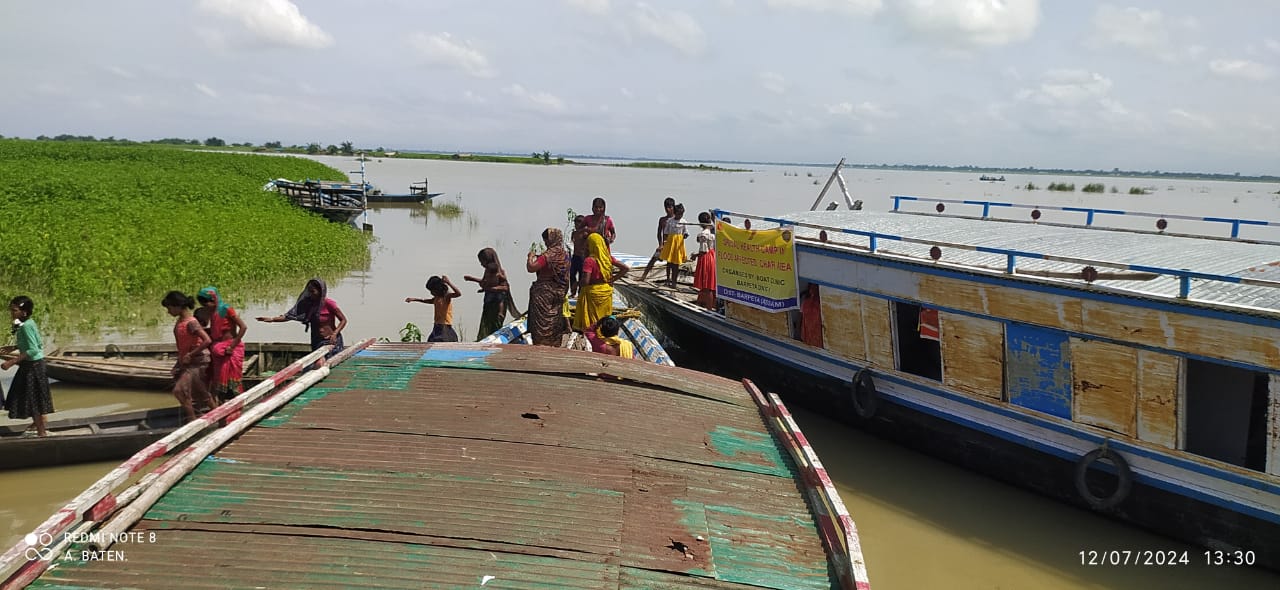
column 923, row 523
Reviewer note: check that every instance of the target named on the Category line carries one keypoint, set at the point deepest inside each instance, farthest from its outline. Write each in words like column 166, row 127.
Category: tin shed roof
column 416, row 466
column 1137, row 249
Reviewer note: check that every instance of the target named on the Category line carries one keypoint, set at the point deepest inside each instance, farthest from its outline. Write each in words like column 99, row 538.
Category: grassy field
column 97, row 233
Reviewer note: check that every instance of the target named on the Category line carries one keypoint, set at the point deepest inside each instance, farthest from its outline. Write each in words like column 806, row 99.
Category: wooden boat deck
column 461, row 465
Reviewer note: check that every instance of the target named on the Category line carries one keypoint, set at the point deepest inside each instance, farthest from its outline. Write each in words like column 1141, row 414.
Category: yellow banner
column 756, row 268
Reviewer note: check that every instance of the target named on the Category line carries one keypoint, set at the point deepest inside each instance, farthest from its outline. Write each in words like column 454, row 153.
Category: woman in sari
column 595, row 300
column 318, row 314
column 547, row 293
column 226, row 367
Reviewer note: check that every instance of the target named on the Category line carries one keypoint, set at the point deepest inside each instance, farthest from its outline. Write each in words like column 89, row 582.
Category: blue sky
column 1143, row 85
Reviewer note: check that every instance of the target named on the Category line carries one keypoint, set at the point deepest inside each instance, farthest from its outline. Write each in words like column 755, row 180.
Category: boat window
column 915, row 335
column 1226, row 414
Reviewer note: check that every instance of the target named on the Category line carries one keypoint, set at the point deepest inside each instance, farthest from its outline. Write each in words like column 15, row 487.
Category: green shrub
column 1062, row 186
column 1094, row 187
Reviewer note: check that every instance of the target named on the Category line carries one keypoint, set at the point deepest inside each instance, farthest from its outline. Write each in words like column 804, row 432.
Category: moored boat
column 148, row 365
column 466, row 465
column 341, row 202
column 1132, row 373
column 85, row 439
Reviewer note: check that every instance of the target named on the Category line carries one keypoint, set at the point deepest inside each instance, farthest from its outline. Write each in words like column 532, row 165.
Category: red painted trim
column 102, row 508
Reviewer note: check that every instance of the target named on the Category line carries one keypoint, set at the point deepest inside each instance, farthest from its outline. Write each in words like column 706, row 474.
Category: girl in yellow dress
column 595, row 297
column 673, row 244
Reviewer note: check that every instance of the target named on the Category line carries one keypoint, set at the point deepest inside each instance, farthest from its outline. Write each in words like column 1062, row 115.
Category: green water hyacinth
column 113, row 227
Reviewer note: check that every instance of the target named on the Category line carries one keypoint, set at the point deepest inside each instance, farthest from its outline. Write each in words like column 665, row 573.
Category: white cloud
column 123, row 73
column 851, row 7
column 539, row 101
column 205, row 90
column 968, row 24
column 1188, row 119
column 1068, row 88
column 673, row 27
column 441, row 49
column 1148, row 32
column 626, row 92
column 1273, row 45
column 1241, row 68
column 589, row 6
column 773, row 82
column 862, row 110
column 275, row 22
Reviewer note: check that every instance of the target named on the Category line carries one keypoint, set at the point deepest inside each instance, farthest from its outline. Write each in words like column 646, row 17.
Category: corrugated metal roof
column 433, row 466
column 1210, row 256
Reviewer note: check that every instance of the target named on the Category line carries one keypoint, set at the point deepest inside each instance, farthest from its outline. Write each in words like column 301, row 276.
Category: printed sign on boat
column 756, row 268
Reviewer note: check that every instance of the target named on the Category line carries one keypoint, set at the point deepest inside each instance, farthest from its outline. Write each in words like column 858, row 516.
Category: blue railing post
column 1235, row 228
column 873, row 242
column 1089, row 218
column 986, row 209
column 1008, row 265
column 896, row 201
column 1184, row 285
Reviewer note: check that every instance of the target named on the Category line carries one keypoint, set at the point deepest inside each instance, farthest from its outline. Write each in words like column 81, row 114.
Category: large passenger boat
column 1135, row 372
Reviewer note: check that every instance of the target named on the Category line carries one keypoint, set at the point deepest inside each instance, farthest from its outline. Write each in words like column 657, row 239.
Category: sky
column 1170, row 85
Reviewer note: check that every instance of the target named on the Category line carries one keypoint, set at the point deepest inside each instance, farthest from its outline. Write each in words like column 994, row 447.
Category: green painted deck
column 449, row 466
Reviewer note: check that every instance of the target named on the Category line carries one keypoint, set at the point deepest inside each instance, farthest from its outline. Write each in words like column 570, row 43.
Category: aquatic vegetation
column 410, row 333
column 1094, row 187
column 1137, row 190
column 1031, row 186
column 1061, row 186
column 113, row 227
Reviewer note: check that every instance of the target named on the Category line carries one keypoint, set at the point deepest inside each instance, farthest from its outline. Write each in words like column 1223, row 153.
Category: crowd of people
column 209, row 333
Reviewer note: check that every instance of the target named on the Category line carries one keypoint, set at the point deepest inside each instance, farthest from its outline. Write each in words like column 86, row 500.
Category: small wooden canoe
column 87, row 439
column 147, row 366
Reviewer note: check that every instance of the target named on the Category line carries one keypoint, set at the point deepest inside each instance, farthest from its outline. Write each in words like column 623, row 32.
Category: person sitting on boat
column 226, row 329
column 29, row 395
column 443, row 292
column 669, row 205
column 192, row 369
column 497, row 293
column 546, row 294
column 599, row 271
column 704, row 278
column 318, row 314
column 604, row 339
column 673, row 245
column 600, row 223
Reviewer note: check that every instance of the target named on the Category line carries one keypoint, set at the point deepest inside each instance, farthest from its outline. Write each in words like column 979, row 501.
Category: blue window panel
column 1038, row 369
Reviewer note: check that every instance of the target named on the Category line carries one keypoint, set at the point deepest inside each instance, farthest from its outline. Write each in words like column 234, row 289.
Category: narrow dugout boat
column 469, row 465
column 1134, row 372
column 148, row 365
column 86, row 439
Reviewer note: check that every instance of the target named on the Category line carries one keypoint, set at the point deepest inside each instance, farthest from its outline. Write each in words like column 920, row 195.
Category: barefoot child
column 193, row 354
column 579, row 239
column 704, row 278
column 443, row 292
column 497, row 292
column 669, row 205
column 29, row 395
column 673, row 246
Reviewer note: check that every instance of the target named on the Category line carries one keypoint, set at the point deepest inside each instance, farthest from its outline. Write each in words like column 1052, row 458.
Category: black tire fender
column 862, row 394
column 1124, row 478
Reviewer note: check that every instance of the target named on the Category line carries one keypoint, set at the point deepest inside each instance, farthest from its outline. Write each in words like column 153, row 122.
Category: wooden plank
column 1221, row 339
column 776, row 324
column 972, row 354
column 842, row 324
column 1104, row 379
column 1158, row 398
column 877, row 326
column 1273, row 427
column 1032, row 307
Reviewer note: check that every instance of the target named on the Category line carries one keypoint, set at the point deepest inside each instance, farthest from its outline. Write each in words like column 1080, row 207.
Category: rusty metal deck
column 446, row 466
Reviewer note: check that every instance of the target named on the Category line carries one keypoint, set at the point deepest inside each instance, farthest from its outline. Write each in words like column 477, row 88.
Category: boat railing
column 1088, row 273
column 1093, row 217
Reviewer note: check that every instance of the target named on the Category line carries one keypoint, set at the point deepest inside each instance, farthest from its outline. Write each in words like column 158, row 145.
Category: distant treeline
column 1067, row 171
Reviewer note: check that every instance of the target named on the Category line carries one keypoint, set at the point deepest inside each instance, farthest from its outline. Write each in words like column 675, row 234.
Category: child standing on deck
column 669, row 205
column 497, row 293
column 704, row 278
column 579, row 239
column 29, row 395
column 673, row 246
column 443, row 292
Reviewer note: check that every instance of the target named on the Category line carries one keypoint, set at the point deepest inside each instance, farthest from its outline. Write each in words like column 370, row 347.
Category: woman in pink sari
column 226, row 368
